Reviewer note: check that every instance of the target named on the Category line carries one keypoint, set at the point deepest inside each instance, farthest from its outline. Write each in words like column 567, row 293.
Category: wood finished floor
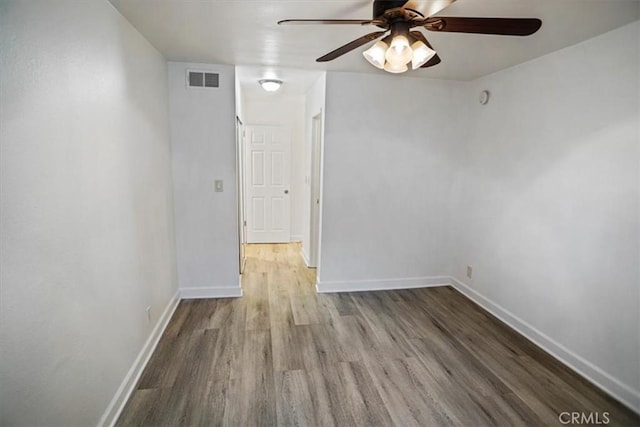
column 284, row 355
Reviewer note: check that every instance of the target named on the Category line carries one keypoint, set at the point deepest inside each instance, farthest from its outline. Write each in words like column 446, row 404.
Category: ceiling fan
column 402, row 46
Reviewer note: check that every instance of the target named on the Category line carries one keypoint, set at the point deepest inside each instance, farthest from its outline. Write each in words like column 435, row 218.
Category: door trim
column 242, row 228
column 315, row 190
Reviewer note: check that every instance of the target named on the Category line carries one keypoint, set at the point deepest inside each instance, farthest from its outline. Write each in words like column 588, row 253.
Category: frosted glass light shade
column 375, row 54
column 421, row 54
column 395, row 68
column 399, row 52
column 270, row 85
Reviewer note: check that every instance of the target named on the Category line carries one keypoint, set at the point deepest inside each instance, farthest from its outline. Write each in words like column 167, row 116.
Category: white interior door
column 268, row 172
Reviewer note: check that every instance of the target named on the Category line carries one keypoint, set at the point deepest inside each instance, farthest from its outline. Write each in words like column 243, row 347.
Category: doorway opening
column 279, row 166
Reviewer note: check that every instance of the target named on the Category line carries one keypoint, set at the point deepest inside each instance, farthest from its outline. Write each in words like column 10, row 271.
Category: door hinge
column 244, row 223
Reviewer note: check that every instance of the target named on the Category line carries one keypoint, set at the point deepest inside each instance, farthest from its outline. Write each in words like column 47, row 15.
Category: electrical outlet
column 148, row 310
column 219, row 185
column 469, row 271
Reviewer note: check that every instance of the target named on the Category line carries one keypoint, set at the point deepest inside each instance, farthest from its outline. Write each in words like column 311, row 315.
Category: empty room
column 319, row 212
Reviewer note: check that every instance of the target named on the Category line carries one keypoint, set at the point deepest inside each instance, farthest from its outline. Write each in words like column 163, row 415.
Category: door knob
column 286, row 191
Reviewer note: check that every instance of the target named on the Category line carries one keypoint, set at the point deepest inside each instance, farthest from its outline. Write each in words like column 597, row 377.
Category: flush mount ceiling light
column 401, row 46
column 270, row 85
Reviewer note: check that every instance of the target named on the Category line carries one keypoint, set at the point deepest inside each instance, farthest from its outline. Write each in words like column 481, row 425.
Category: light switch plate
column 219, row 185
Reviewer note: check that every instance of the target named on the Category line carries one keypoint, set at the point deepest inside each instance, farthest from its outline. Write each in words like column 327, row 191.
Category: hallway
column 285, row 355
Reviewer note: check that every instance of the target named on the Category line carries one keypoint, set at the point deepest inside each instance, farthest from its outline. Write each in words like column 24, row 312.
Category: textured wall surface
column 389, row 147
column 203, row 141
column 86, row 216
column 546, row 206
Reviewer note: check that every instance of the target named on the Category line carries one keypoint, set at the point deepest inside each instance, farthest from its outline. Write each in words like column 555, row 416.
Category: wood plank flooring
column 284, row 355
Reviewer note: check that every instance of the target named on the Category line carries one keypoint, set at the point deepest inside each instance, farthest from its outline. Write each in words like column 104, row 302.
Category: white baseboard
column 382, row 284
column 127, row 386
column 622, row 392
column 296, row 238
column 198, row 293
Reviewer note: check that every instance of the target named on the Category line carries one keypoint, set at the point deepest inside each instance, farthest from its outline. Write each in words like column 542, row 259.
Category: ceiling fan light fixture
column 375, row 54
column 270, row 85
column 401, row 45
column 399, row 51
column 395, row 68
column 421, row 54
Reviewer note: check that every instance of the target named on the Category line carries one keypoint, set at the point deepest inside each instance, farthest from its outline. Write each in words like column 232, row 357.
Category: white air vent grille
column 202, row 79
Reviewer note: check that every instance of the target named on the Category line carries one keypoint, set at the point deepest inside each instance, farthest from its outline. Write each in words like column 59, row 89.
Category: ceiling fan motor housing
column 399, row 28
column 381, row 6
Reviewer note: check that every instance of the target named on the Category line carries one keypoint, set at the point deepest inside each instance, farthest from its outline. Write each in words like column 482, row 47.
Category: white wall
column 286, row 111
column 547, row 203
column 239, row 98
column 389, row 146
column 203, row 146
column 86, row 207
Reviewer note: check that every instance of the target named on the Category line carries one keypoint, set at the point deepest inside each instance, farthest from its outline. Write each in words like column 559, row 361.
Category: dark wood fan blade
column 325, row 22
column 427, row 8
column 500, row 26
column 350, row 46
column 418, row 35
column 435, row 59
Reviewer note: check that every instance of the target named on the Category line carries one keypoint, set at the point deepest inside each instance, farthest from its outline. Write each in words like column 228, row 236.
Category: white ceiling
column 296, row 82
column 244, row 32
